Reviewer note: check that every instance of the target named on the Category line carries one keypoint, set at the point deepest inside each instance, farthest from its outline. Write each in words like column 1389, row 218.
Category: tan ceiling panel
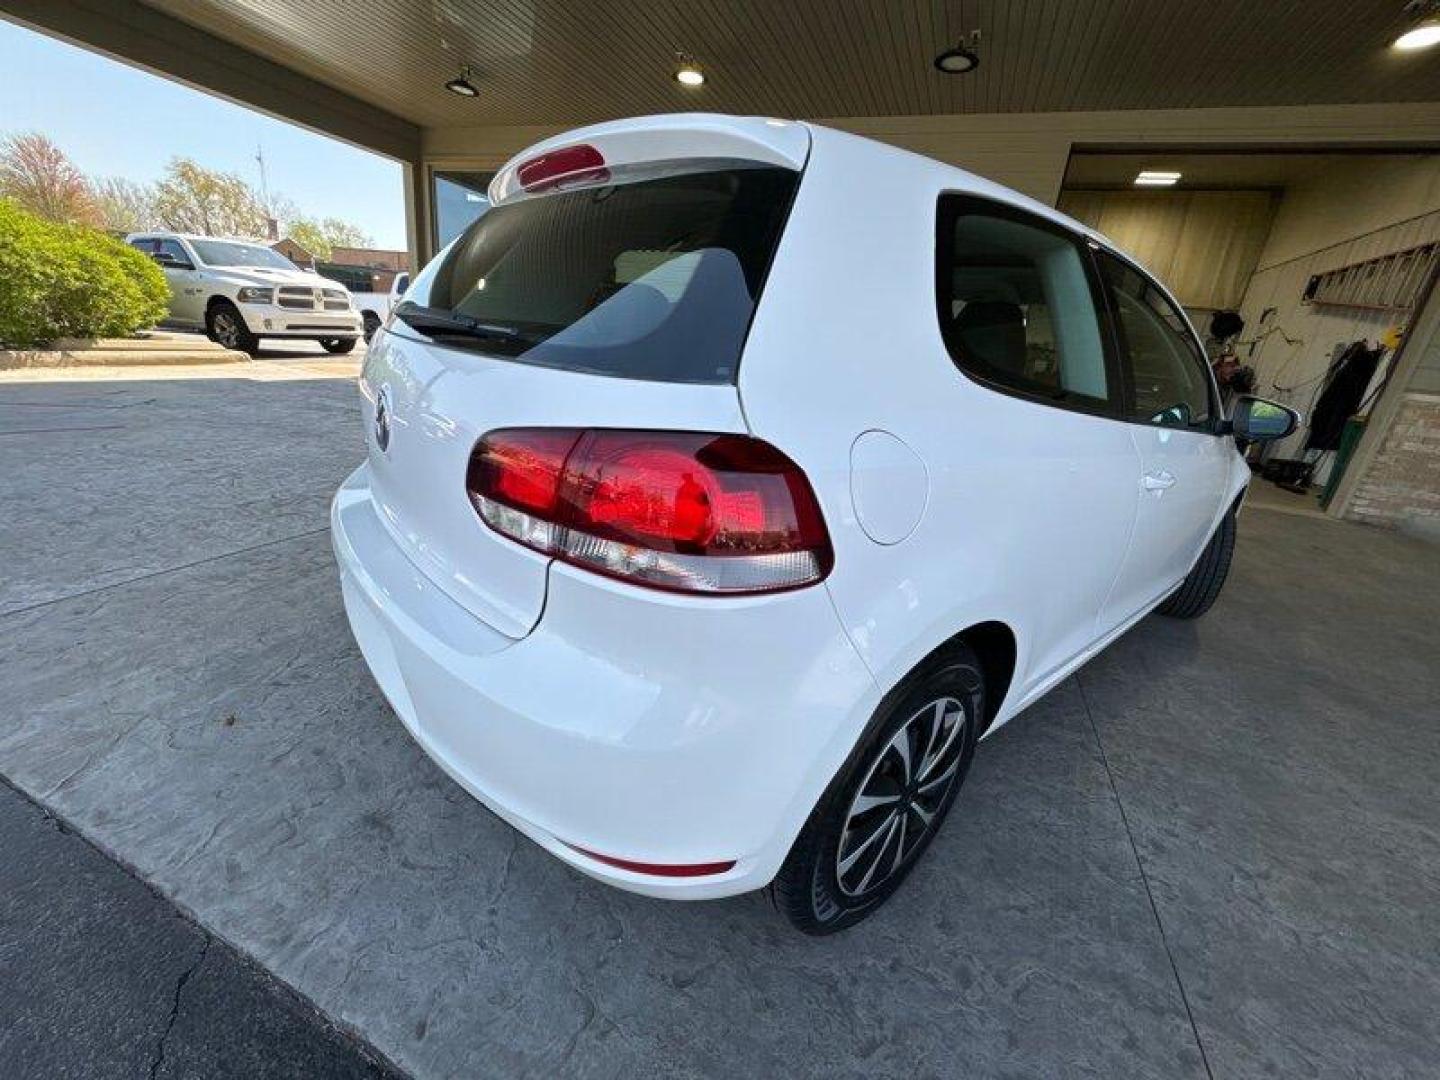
column 573, row 61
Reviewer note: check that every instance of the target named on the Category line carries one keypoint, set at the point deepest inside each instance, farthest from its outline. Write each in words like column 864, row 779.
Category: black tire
column 815, row 891
column 372, row 323
column 225, row 326
column 1202, row 585
column 338, row 345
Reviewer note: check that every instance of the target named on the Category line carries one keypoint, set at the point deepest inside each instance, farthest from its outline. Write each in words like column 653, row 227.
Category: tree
column 195, row 199
column 320, row 238
column 39, row 177
column 124, row 205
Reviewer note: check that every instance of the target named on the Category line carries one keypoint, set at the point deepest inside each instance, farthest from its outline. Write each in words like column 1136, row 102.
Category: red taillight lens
column 579, row 164
column 685, row 511
column 523, row 469
column 519, row 473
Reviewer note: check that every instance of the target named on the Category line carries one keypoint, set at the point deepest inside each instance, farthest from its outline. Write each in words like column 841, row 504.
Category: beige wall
column 1202, row 244
column 1360, row 208
column 1425, row 379
column 1352, row 197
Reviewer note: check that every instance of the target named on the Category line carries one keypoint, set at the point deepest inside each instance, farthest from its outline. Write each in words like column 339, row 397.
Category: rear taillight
column 678, row 510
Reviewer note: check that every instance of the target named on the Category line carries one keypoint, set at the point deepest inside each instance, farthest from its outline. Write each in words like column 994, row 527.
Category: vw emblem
column 382, row 418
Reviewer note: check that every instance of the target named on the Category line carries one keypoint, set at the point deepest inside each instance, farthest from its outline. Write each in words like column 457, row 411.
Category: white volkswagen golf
column 730, row 478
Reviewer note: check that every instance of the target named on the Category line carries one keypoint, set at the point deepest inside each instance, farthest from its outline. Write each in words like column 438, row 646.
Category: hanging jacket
column 1344, row 390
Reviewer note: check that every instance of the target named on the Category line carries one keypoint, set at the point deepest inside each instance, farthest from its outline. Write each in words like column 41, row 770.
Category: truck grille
column 336, row 300
column 297, row 296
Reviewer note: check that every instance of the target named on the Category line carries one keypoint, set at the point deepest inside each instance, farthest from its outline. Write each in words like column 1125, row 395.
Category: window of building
column 459, row 198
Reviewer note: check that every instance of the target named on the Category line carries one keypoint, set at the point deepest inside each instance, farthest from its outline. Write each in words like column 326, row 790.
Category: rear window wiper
column 439, row 321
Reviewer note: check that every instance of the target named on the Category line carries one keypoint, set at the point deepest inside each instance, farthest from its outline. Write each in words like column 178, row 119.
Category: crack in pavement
column 159, row 1059
column 1144, row 877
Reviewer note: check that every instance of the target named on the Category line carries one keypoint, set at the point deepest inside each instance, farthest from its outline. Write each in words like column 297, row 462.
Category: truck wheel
column 372, row 323
column 224, row 325
column 337, row 345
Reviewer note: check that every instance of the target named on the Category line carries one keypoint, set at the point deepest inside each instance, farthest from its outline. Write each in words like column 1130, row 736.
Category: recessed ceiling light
column 689, row 73
column 962, row 58
column 1419, row 37
column 462, row 85
column 1424, row 19
column 1156, row 178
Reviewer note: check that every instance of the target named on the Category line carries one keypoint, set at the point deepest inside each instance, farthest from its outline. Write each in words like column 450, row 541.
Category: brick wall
column 1401, row 489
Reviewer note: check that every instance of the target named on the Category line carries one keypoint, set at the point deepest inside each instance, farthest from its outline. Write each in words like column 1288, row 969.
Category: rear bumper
column 648, row 727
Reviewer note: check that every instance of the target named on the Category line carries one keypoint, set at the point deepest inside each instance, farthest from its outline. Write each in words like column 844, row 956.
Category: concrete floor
column 1217, row 850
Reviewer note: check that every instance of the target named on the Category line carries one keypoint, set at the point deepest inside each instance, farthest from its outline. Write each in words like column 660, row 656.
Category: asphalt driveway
column 1215, row 851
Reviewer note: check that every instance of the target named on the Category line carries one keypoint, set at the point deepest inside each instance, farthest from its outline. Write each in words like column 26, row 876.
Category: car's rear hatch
column 606, row 288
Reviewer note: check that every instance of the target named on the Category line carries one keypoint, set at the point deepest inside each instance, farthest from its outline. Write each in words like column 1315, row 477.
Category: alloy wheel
column 227, row 331
column 903, row 791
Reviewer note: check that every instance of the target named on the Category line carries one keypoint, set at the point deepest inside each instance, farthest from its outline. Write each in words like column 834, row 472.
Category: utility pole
column 272, row 227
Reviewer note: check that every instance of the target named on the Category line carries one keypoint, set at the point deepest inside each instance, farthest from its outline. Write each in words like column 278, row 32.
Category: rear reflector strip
column 657, row 869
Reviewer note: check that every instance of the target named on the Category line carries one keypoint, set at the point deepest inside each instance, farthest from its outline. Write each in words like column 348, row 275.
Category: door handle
column 1157, row 481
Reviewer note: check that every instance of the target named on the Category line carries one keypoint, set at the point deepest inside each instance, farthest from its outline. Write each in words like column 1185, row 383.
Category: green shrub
column 59, row 281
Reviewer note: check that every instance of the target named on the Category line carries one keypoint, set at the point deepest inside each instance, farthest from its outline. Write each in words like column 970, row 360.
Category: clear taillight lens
column 684, row 511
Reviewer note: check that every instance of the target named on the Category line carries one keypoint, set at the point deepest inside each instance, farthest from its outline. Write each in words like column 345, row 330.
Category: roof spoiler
column 588, row 154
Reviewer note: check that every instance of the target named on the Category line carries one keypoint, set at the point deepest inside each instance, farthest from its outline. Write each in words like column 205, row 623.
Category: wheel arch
column 995, row 646
column 216, row 299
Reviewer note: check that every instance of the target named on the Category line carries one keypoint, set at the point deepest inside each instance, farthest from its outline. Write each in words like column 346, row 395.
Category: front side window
column 653, row 276
column 1168, row 377
column 171, row 251
column 1017, row 306
column 164, row 251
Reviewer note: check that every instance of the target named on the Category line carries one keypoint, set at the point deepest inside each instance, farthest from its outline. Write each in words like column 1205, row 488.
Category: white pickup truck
column 239, row 292
column 375, row 307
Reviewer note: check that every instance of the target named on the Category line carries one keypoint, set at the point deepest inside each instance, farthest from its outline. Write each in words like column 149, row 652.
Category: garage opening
column 1308, row 273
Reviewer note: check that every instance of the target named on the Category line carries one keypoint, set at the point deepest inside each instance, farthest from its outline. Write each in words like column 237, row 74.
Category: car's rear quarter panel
column 846, row 340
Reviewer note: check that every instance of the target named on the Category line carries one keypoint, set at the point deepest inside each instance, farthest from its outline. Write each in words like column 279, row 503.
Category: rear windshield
column 656, row 278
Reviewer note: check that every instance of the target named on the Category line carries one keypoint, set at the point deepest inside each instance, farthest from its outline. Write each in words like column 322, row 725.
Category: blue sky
column 115, row 120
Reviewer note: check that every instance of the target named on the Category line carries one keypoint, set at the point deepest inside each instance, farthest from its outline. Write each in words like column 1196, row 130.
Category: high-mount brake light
column 678, row 510
column 579, row 164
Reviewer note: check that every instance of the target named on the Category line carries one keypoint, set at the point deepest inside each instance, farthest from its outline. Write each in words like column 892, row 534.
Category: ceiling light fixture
column 965, row 56
column 1424, row 16
column 1157, row 178
column 462, row 85
column 687, row 71
column 1419, row 37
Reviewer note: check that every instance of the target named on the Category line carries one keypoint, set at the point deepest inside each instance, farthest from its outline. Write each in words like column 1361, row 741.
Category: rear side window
column 1169, row 378
column 656, row 277
column 169, row 249
column 1018, row 306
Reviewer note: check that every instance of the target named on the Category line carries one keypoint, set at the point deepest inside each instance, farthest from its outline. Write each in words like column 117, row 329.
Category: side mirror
column 1257, row 420
column 169, row 262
